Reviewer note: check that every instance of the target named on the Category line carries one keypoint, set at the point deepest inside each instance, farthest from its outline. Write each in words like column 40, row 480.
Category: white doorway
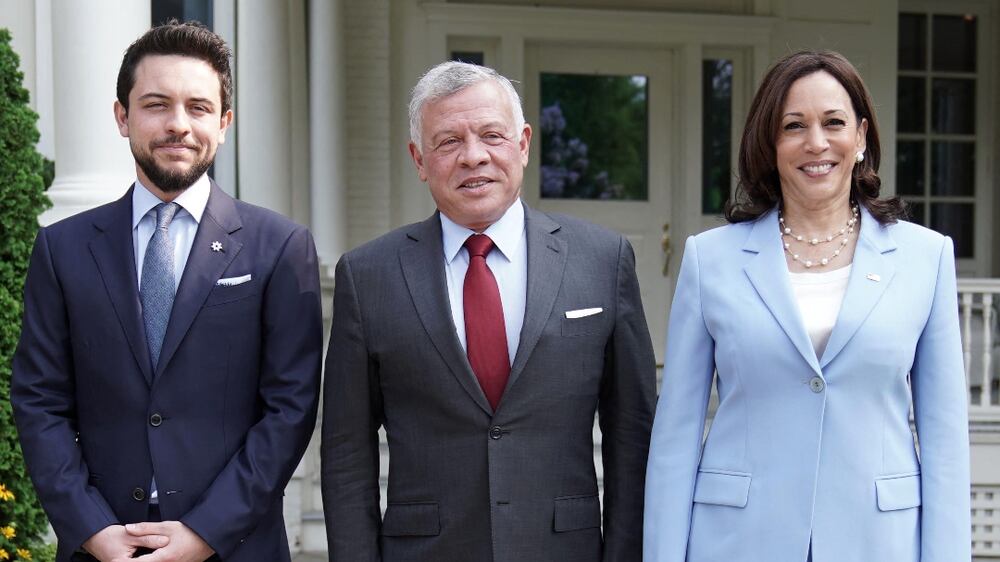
column 638, row 212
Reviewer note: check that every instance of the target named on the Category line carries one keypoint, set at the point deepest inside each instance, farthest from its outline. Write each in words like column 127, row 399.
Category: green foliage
column 22, row 198
column 604, row 120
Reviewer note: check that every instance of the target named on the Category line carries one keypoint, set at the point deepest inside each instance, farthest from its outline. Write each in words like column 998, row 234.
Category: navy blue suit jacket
column 227, row 414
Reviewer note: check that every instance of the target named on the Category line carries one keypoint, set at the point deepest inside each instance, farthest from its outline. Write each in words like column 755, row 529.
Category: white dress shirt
column 192, row 201
column 819, row 297
column 508, row 261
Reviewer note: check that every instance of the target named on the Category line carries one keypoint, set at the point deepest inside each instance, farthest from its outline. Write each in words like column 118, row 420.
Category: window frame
column 980, row 265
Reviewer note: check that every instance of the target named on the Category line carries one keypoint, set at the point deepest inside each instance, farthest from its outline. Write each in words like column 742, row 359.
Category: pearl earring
column 860, row 157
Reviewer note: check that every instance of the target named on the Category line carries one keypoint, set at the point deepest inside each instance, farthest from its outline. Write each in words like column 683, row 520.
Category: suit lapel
column 546, row 263
column 871, row 273
column 768, row 273
column 423, row 268
column 204, row 267
column 115, row 257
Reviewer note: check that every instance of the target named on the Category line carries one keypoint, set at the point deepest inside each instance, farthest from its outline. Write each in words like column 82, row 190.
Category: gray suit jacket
column 466, row 483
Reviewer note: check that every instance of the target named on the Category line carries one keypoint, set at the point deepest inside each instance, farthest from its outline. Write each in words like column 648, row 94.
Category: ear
column 525, row 144
column 418, row 161
column 862, row 140
column 121, row 119
column 224, row 122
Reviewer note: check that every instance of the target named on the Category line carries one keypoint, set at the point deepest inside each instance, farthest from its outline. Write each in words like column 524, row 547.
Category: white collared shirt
column 183, row 228
column 508, row 261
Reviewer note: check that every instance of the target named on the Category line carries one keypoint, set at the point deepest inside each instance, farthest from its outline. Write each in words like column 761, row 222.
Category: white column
column 94, row 162
column 264, row 116
column 327, row 91
column 224, row 173
column 44, row 86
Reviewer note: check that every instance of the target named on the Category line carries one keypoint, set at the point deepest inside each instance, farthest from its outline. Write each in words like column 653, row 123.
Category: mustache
column 174, row 140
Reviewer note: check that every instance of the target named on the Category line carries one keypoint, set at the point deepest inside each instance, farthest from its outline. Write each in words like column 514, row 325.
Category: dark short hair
column 187, row 39
column 759, row 187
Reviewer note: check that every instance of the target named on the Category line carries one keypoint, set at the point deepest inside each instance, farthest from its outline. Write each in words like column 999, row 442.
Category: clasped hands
column 170, row 541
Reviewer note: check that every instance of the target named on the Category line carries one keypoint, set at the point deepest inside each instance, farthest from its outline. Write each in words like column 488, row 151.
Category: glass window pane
column 953, row 166
column 717, row 120
column 183, row 10
column 911, row 107
column 594, row 136
column 953, row 102
column 912, row 42
column 955, row 220
column 917, row 210
column 471, row 57
column 910, row 167
column 955, row 43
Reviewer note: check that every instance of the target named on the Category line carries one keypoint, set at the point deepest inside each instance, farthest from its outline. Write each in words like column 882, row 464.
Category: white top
column 508, row 261
column 192, row 201
column 819, row 296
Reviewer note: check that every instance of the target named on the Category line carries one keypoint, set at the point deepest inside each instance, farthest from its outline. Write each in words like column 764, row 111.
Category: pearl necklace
column 845, row 232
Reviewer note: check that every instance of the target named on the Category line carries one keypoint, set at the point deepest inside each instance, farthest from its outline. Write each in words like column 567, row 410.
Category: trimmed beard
column 169, row 181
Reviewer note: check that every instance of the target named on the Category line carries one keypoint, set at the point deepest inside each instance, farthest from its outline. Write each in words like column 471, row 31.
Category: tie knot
column 165, row 213
column 478, row 245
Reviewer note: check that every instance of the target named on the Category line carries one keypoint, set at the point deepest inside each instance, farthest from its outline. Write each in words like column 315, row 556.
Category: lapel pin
column 217, row 246
column 873, row 277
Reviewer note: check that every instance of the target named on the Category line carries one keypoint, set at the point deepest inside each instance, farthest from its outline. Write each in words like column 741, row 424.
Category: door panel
column 601, row 151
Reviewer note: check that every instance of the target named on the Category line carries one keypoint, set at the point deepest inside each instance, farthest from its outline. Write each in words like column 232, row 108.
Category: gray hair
column 450, row 78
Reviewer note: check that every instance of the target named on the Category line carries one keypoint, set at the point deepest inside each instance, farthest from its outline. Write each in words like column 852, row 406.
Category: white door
column 630, row 200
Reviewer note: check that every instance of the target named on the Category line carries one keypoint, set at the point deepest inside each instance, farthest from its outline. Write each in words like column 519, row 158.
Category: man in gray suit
column 484, row 339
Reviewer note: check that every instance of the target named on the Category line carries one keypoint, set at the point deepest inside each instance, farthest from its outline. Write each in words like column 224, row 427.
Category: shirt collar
column 506, row 233
column 193, row 200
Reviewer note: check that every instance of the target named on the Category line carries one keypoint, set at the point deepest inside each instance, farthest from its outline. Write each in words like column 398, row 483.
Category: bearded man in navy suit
column 166, row 381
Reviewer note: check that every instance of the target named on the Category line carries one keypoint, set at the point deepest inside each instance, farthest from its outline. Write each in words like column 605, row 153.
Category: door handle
column 667, row 249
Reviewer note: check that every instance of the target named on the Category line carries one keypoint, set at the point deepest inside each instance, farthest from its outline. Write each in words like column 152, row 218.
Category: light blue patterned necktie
column 158, row 287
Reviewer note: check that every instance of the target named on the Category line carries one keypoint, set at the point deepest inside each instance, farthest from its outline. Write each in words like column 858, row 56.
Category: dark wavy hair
column 187, row 39
column 759, row 187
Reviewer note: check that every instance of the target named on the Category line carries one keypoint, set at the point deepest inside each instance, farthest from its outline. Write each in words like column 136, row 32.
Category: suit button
column 138, row 494
column 816, row 384
column 155, row 420
column 496, row 432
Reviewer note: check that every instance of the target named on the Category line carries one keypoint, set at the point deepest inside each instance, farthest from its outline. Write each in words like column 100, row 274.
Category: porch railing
column 979, row 307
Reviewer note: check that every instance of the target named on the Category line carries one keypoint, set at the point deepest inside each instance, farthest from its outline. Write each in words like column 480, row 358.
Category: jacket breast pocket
column 573, row 513
column 583, row 326
column 898, row 491
column 722, row 487
column 223, row 294
column 415, row 519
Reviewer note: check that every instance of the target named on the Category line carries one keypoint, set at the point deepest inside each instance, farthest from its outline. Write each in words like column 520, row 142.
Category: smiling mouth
column 818, row 169
column 474, row 183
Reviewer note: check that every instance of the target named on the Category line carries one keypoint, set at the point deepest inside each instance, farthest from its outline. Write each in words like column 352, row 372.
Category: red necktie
column 485, row 335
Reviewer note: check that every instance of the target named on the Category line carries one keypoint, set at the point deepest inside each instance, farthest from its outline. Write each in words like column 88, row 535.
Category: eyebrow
column 452, row 131
column 159, row 96
column 827, row 112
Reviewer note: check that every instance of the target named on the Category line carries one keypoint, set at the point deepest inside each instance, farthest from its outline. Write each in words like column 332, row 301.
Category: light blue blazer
column 803, row 448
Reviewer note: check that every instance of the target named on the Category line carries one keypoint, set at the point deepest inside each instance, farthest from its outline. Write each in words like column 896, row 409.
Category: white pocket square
column 583, row 312
column 233, row 281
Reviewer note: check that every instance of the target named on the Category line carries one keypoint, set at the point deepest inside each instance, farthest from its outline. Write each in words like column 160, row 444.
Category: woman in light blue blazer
column 822, row 316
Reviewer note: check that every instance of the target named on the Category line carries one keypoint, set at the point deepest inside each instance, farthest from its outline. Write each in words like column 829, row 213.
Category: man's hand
column 183, row 545
column 114, row 543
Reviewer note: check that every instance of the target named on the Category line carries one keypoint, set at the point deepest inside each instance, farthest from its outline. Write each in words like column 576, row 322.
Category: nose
column 178, row 122
column 816, row 140
column 473, row 153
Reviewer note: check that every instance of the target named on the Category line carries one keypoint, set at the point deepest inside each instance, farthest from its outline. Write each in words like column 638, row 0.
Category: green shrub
column 22, row 198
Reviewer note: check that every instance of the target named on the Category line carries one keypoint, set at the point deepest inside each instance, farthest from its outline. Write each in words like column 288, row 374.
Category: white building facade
column 321, row 128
